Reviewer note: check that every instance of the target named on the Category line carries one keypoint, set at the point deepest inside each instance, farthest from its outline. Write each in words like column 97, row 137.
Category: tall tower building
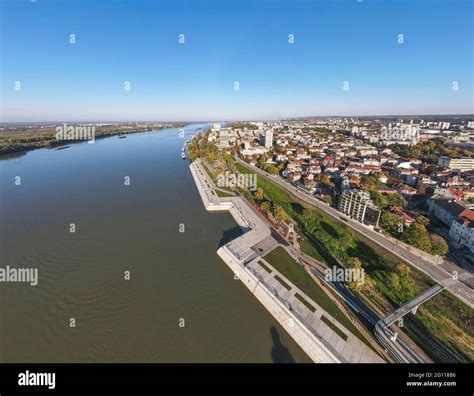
column 268, row 143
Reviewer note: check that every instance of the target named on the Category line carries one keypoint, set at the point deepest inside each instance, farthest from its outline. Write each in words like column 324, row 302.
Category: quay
column 312, row 328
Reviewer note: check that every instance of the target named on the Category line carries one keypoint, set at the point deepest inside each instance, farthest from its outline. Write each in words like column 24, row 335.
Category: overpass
column 388, row 338
column 412, row 305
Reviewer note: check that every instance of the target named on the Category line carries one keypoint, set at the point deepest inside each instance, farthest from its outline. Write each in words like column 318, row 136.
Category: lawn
column 296, row 274
column 334, row 328
column 308, row 248
column 223, row 194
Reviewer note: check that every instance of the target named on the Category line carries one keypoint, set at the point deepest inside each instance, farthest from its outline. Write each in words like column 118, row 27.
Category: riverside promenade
column 315, row 331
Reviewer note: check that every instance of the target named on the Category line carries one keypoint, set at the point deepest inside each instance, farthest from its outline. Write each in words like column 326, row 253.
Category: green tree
column 368, row 285
column 370, row 182
column 439, row 245
column 265, row 207
column 417, row 236
column 422, row 220
column 280, row 214
column 346, row 241
column 379, row 199
column 403, row 270
column 407, row 288
column 326, row 180
column 354, row 262
column 259, row 194
column 271, row 169
column 328, row 199
column 212, row 156
column 396, row 200
column 390, row 222
column 394, row 281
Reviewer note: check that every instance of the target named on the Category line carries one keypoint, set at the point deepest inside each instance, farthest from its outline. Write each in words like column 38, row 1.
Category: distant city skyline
column 183, row 62
column 219, row 120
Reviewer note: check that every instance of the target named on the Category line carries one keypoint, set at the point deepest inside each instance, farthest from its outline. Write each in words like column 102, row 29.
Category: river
column 180, row 302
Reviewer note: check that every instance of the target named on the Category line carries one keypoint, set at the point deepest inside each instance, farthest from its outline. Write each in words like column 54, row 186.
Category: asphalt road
column 454, row 278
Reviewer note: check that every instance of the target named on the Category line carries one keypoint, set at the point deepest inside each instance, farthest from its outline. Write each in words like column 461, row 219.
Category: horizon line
column 245, row 119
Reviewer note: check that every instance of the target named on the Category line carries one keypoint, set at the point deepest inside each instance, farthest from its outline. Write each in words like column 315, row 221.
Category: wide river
column 181, row 303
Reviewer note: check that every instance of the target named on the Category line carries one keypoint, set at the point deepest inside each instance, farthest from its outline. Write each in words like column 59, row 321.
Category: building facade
column 268, row 138
column 457, row 163
column 462, row 233
column 358, row 205
column 446, row 210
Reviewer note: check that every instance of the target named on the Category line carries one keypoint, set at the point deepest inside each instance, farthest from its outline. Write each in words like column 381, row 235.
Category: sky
column 354, row 44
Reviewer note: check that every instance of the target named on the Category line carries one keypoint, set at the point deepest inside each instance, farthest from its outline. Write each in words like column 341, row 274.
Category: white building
column 268, row 138
column 223, row 141
column 358, row 205
column 457, row 163
column 253, row 151
column 462, row 232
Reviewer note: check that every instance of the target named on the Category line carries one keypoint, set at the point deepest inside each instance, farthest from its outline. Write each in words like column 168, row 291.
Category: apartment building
column 358, row 205
column 462, row 232
column 457, row 163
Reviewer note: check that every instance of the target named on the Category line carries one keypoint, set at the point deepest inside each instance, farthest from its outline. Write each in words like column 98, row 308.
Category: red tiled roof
column 467, row 214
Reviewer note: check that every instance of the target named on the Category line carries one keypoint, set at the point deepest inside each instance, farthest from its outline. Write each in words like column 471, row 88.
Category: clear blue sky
column 227, row 41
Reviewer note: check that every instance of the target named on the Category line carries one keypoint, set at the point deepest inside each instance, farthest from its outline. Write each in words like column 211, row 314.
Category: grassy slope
column 309, row 249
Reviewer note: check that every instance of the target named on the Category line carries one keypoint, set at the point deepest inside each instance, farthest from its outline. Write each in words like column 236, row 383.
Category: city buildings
column 457, row 163
column 349, row 159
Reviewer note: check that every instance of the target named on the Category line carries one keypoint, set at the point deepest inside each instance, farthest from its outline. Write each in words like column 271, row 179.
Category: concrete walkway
column 324, row 340
column 344, row 345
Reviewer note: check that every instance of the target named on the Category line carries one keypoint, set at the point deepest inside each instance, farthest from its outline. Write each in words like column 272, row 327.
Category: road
column 455, row 279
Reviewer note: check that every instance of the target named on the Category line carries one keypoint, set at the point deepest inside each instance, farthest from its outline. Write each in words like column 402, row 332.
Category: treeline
column 24, row 140
column 430, row 151
column 238, row 125
column 200, row 147
column 415, row 234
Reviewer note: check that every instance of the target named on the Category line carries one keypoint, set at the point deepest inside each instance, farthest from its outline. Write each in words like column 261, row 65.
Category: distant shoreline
column 50, row 142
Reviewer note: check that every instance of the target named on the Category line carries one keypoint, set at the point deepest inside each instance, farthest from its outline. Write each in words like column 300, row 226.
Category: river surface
column 181, row 303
